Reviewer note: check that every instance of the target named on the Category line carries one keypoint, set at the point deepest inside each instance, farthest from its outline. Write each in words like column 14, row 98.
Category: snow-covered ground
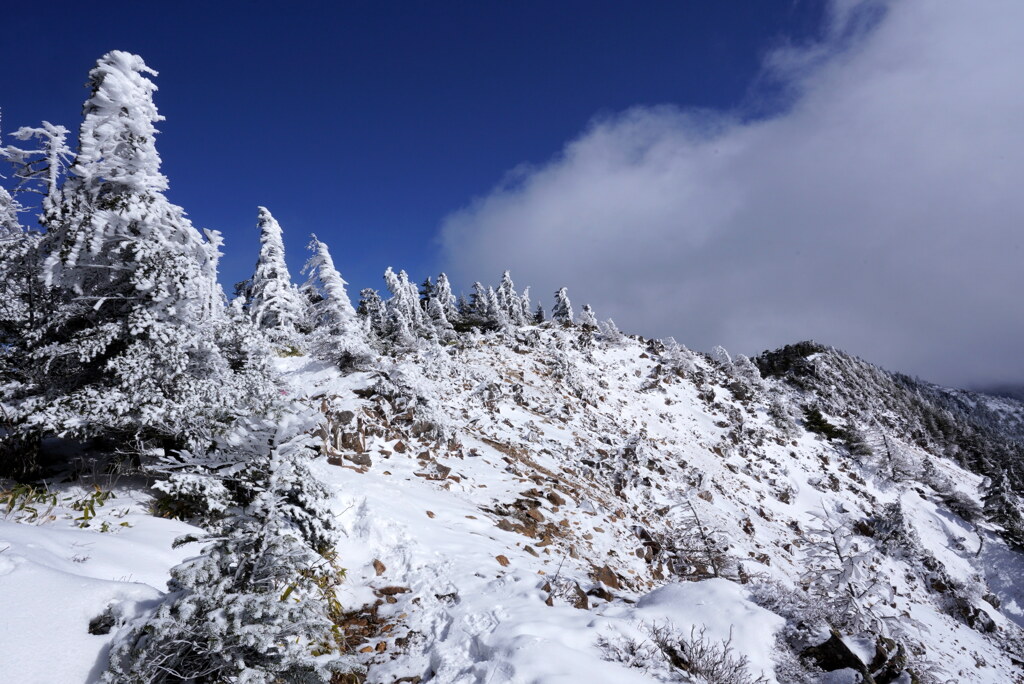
column 498, row 502
column 56, row 577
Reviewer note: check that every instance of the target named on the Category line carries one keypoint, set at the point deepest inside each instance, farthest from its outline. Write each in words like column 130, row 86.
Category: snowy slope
column 521, row 507
column 562, row 463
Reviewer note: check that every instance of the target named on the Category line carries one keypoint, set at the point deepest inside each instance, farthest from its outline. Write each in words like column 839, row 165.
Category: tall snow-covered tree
column 443, row 294
column 524, row 301
column 336, row 333
column 274, row 304
column 509, row 302
column 405, row 319
column 561, row 312
column 131, row 349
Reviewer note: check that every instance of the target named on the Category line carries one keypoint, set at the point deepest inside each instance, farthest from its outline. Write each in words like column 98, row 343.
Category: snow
column 56, row 577
column 472, row 598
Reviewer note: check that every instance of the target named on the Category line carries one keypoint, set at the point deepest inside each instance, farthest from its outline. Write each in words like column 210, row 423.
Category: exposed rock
column 607, row 576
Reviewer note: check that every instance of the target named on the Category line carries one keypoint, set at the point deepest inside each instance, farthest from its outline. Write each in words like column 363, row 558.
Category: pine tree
column 274, row 304
column 371, row 308
column 443, row 294
column 130, row 349
column 426, row 291
column 336, row 333
column 1004, row 508
column 476, row 313
column 497, row 315
column 258, row 603
column 539, row 316
column 562, row 310
column 404, row 318
column 443, row 328
column 524, row 300
column 509, row 302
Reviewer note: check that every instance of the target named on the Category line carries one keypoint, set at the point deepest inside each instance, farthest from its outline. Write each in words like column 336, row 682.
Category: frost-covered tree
column 509, row 303
column 404, row 318
column 587, row 317
column 258, row 603
column 561, row 312
column 538, row 315
column 1004, row 508
column 426, row 291
column 131, row 348
column 10, row 224
column 721, row 356
column 524, row 300
column 443, row 294
column 274, row 302
column 475, row 309
column 841, row 574
column 610, row 333
column 40, row 170
column 443, row 328
column 336, row 333
column 497, row 315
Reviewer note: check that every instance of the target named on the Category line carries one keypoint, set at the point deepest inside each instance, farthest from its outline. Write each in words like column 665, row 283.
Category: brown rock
column 530, row 550
column 535, row 514
column 556, row 499
column 430, row 514
column 379, row 567
column 400, row 447
column 607, row 577
column 392, row 590
column 502, row 561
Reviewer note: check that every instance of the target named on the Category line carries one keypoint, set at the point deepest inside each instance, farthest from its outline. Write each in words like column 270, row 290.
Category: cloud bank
column 881, row 212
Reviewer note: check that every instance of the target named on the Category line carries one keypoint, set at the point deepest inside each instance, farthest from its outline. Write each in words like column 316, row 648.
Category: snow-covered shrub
column 255, row 606
column 258, row 604
column 674, row 655
column 841, row 574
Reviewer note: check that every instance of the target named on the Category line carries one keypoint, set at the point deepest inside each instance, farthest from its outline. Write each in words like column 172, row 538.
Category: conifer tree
column 1004, row 508
column 336, row 333
column 587, row 317
column 476, row 312
column 131, row 349
column 443, row 294
column 426, row 291
column 561, row 312
column 371, row 308
column 509, row 302
column 274, row 304
column 496, row 315
column 524, row 300
column 539, row 316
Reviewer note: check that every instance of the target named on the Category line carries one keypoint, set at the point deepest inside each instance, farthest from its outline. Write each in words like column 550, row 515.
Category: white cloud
column 882, row 212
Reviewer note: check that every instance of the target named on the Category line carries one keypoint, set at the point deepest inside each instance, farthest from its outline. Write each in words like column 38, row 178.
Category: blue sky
column 368, row 122
column 744, row 173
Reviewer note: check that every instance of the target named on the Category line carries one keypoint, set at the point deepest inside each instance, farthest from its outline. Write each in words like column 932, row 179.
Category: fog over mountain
column 878, row 211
